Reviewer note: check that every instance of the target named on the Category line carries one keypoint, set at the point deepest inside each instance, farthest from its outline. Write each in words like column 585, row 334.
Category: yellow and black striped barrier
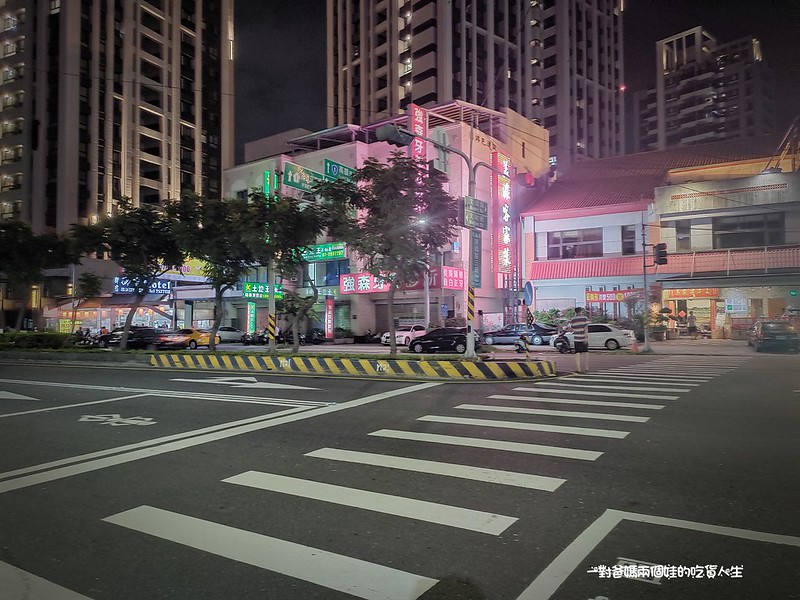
column 359, row 367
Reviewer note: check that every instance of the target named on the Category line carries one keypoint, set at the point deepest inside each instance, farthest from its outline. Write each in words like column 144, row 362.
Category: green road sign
column 476, row 213
column 299, row 177
column 335, row 170
column 475, row 258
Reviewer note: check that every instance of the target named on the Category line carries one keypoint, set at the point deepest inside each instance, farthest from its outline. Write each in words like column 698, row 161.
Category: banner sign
column 257, row 289
column 501, row 195
column 322, row 252
column 191, row 270
column 362, row 283
column 419, row 127
column 329, row 317
column 122, row 285
column 475, row 258
column 448, row 278
column 610, row 296
column 693, row 293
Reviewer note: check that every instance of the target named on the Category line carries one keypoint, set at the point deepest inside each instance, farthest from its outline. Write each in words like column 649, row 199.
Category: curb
column 307, row 365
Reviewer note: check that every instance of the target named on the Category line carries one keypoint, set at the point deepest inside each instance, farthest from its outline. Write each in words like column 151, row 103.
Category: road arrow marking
column 5, row 395
column 246, row 382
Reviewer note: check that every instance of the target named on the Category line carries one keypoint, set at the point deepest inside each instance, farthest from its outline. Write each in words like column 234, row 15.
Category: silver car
column 230, row 334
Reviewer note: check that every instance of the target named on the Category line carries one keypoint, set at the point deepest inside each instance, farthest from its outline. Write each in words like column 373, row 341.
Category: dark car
column 776, row 335
column 140, row 338
column 538, row 334
column 444, row 339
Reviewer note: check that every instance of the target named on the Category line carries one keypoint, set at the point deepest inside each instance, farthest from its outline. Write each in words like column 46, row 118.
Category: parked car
column 777, row 335
column 187, row 338
column 444, row 339
column 404, row 335
column 601, row 335
column 139, row 338
column 230, row 334
column 538, row 334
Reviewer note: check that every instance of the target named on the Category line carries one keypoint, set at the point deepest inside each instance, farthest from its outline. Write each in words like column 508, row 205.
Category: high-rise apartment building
column 108, row 99
column 557, row 62
column 705, row 91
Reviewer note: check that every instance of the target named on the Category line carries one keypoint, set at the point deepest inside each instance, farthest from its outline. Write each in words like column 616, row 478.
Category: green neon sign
column 257, row 289
column 322, row 252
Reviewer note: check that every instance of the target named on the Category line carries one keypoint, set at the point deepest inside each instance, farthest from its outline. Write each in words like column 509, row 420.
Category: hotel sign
column 501, row 195
column 122, row 285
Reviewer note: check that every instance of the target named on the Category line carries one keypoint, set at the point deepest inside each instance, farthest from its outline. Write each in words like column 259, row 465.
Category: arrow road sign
column 246, row 382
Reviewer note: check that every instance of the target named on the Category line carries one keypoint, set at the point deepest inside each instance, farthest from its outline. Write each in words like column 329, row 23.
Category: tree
column 142, row 241
column 228, row 235
column 292, row 225
column 89, row 286
column 24, row 256
column 405, row 215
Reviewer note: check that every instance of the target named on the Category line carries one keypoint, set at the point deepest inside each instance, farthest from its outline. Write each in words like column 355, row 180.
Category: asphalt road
column 120, row 484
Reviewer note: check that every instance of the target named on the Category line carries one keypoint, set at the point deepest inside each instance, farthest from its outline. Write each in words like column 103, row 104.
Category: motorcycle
column 561, row 343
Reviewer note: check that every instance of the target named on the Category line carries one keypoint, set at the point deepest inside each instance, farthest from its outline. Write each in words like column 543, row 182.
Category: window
column 629, row 239
column 683, row 235
column 576, row 243
column 749, row 230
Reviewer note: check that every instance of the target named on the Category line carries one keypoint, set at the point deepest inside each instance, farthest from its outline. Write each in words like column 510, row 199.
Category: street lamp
column 398, row 136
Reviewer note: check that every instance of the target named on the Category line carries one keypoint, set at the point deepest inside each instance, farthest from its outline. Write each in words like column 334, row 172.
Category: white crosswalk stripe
column 432, row 512
column 583, row 386
column 489, row 444
column 554, row 413
column 650, row 381
column 543, row 390
column 496, row 476
column 580, row 402
column 586, row 431
column 359, row 578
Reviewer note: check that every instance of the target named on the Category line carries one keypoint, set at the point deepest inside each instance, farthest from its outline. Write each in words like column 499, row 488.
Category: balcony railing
column 763, row 259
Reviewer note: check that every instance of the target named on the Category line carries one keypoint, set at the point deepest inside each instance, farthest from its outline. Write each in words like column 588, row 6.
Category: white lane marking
column 6, row 395
column 523, row 480
column 555, row 413
column 245, row 382
column 334, row 571
column 588, row 431
column 472, row 442
column 581, row 402
column 688, row 373
column 651, row 381
column 598, row 393
column 421, row 510
column 176, row 393
column 62, row 406
column 549, row 580
column 194, row 438
column 16, row 584
column 584, row 386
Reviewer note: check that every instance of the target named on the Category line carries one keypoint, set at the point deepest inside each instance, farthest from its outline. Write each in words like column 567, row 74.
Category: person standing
column 579, row 325
column 691, row 324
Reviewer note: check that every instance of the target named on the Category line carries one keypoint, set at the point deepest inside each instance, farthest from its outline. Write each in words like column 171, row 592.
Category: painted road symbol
column 116, row 420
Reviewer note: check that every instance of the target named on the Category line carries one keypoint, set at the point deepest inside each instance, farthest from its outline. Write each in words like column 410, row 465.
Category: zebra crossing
column 557, row 408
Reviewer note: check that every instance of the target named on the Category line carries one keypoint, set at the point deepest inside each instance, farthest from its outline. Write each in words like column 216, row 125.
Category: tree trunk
column 218, row 314
column 123, row 343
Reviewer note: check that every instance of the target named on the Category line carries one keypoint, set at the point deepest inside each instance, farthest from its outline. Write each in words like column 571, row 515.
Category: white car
column 404, row 335
column 602, row 335
column 230, row 334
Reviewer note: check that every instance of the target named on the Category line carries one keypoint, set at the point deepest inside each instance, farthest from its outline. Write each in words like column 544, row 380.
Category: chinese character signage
column 299, row 177
column 335, row 170
column 322, row 252
column 362, row 283
column 122, row 285
column 419, row 127
column 610, row 295
column 501, row 196
column 475, row 258
column 452, row 278
column 693, row 293
column 257, row 289
column 329, row 318
column 251, row 317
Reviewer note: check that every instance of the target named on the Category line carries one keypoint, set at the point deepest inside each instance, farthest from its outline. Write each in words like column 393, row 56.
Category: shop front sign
column 418, row 125
column 501, row 196
column 122, row 285
column 329, row 318
column 323, row 252
column 257, row 289
column 693, row 293
column 362, row 283
column 610, row 295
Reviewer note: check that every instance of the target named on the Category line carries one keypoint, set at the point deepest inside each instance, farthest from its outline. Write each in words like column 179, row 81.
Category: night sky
column 280, row 54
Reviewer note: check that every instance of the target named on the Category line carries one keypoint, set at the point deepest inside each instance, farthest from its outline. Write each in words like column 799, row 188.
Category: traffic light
column 394, row 135
column 660, row 254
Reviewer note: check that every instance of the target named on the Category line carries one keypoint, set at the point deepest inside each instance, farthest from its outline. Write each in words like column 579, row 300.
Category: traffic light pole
column 646, row 319
column 399, row 136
